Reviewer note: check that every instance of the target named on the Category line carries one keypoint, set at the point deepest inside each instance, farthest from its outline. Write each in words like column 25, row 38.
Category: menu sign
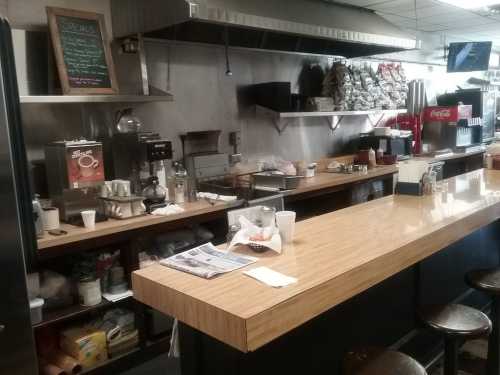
column 82, row 52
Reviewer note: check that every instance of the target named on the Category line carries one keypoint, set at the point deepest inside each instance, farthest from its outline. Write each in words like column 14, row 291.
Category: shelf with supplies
column 61, row 99
column 281, row 120
column 145, row 352
column 74, row 311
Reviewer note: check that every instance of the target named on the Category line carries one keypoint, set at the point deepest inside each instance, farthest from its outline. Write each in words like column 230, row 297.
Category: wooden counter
column 112, row 227
column 448, row 157
column 334, row 257
column 325, row 180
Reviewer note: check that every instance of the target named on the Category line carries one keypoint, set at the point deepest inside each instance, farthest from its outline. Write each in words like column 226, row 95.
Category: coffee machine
column 137, row 157
column 75, row 172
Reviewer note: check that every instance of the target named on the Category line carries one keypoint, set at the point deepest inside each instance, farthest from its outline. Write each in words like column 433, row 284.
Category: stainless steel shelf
column 282, row 119
column 37, row 99
column 330, row 114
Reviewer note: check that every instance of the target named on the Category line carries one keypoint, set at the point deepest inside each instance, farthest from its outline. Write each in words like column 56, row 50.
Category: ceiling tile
column 437, row 18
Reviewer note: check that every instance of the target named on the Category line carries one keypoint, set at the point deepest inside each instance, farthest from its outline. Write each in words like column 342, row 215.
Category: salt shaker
column 267, row 216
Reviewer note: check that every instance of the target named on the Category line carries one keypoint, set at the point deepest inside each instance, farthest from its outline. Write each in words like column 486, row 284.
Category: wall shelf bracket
column 281, row 124
column 334, row 122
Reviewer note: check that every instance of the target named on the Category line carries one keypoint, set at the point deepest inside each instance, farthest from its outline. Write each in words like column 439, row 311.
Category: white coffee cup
column 88, row 219
column 51, row 218
column 107, row 189
column 114, row 187
column 285, row 220
column 123, row 188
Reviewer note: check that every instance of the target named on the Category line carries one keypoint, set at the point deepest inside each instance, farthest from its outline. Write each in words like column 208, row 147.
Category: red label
column 85, row 166
column 448, row 114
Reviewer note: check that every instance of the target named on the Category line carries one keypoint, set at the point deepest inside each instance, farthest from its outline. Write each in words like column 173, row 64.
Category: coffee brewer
column 75, row 172
column 137, row 157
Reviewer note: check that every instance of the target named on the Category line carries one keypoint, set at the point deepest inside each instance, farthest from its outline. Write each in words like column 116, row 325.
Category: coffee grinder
column 140, row 157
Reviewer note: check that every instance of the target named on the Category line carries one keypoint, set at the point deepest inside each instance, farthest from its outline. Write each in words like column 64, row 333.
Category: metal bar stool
column 488, row 281
column 377, row 361
column 455, row 323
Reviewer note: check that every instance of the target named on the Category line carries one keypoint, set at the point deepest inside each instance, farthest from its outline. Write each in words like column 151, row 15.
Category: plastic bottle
column 372, row 158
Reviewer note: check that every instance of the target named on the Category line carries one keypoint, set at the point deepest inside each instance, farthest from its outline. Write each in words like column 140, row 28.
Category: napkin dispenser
column 410, row 177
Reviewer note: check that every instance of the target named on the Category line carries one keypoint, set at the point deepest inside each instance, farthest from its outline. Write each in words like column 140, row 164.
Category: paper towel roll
column 65, row 362
column 50, row 218
column 50, row 369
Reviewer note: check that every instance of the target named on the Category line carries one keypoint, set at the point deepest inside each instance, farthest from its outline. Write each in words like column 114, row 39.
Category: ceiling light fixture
column 471, row 4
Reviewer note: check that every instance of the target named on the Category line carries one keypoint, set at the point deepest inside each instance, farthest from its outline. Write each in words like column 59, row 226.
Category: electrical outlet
column 235, row 138
column 235, row 158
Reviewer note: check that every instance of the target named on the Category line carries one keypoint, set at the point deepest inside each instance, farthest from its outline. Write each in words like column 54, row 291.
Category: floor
column 161, row 365
column 472, row 359
column 472, row 362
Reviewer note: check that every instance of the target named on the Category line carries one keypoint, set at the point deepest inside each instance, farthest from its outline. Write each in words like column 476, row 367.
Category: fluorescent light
column 471, row 4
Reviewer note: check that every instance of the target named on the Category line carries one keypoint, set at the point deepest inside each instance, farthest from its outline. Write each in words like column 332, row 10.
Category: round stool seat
column 487, row 280
column 375, row 361
column 457, row 320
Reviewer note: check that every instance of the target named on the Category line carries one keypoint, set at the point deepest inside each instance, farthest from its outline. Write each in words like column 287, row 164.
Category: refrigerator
column 17, row 232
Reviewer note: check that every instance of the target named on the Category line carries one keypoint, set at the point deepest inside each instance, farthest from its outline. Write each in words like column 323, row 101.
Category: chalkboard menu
column 82, row 52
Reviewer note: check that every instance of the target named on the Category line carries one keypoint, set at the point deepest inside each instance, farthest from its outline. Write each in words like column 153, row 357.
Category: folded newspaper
column 207, row 261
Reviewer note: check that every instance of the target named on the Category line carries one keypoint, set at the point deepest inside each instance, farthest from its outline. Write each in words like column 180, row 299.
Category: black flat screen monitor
column 469, row 56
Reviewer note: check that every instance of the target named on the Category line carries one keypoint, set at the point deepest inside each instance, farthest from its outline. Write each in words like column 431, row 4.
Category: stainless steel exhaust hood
column 299, row 26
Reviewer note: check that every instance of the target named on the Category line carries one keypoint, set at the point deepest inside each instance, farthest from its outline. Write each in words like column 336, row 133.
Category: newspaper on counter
column 207, row 261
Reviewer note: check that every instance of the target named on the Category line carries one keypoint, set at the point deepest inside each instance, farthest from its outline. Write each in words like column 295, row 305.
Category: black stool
column 489, row 281
column 455, row 323
column 377, row 361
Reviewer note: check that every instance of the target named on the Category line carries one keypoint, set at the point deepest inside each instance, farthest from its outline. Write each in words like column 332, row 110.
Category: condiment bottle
column 180, row 183
column 372, row 159
column 380, row 155
column 488, row 161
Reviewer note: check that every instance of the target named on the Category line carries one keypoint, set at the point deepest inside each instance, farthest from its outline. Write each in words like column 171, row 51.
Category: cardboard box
column 87, row 345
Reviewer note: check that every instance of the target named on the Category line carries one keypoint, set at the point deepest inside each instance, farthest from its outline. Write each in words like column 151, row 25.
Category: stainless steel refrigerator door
column 17, row 346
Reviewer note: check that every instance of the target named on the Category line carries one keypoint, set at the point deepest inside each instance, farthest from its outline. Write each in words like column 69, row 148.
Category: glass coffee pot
column 127, row 122
column 154, row 194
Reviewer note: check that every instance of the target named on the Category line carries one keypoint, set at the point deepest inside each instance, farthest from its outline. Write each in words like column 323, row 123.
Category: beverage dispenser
column 75, row 172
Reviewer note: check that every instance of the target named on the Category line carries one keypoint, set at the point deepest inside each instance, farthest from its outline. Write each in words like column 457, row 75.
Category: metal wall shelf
column 282, row 119
column 61, row 99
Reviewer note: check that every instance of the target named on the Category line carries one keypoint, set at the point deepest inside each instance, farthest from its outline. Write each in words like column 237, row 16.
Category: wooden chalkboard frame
column 52, row 14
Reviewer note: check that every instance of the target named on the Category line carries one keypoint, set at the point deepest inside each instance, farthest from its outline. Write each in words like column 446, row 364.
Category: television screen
column 469, row 56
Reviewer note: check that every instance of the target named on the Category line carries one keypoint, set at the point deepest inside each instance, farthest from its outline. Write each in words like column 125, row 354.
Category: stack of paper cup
column 50, row 218
column 88, row 219
column 285, row 220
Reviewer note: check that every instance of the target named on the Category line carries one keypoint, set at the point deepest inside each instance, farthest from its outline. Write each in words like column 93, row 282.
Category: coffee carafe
column 154, row 195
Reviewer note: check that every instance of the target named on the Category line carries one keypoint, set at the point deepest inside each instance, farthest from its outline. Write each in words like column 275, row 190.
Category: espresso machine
column 139, row 157
column 75, row 173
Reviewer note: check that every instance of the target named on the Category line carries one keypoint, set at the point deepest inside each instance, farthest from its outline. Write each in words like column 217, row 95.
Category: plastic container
column 286, row 224
column 89, row 291
column 36, row 306
column 33, row 285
